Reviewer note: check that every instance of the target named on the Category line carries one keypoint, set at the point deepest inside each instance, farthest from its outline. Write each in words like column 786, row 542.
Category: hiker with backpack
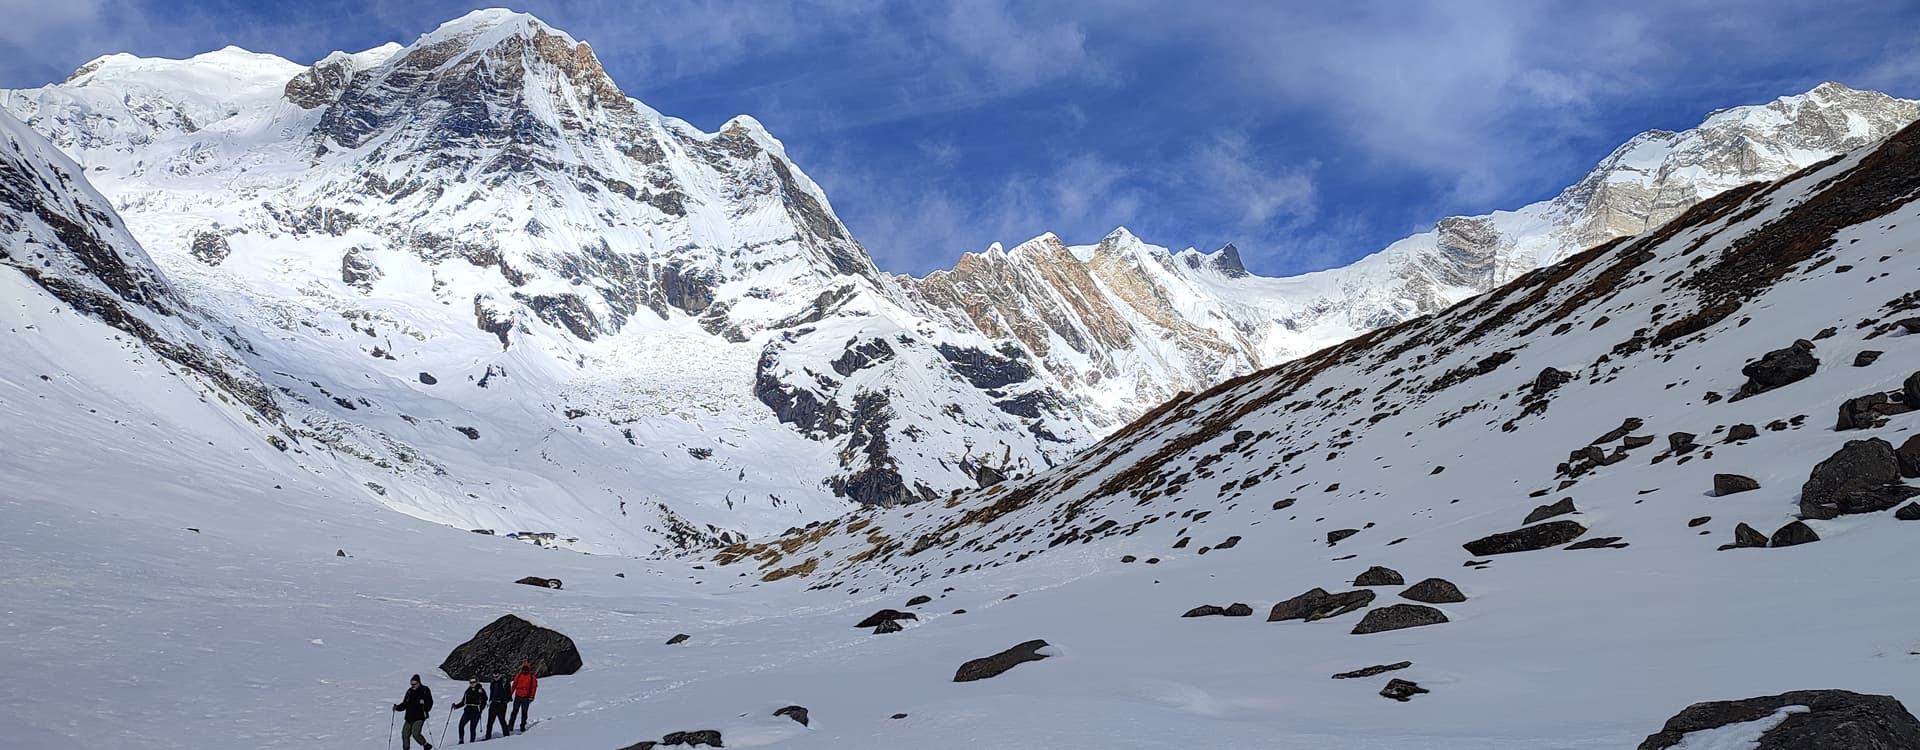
column 417, row 703
column 472, row 701
column 524, row 686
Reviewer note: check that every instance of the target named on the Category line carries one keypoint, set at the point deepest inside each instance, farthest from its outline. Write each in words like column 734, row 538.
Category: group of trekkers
column 494, row 697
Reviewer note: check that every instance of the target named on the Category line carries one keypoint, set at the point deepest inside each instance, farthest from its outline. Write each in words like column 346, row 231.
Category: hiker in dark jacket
column 417, row 704
column 472, row 701
column 499, row 694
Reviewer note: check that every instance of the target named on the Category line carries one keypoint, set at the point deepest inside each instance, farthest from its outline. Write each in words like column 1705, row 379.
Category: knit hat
column 416, row 678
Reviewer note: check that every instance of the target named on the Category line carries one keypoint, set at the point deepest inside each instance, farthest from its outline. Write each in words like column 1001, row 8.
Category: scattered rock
column 1545, row 512
column 1741, row 432
column 678, row 639
column 1317, row 604
column 1631, row 424
column 1729, row 484
column 1908, row 456
column 796, row 713
column 1334, row 536
column 1866, row 358
column 1834, row 720
column 997, row 664
column 500, row 647
column 545, row 583
column 1871, row 410
column 1398, row 617
column 919, row 600
column 1402, row 690
column 471, row 433
column 1205, row 610
column 898, row 716
column 1434, row 591
column 1680, row 442
column 1128, row 558
column 1237, row 609
column 1378, row 576
column 1862, row 477
column 888, row 626
column 886, row 615
column 427, row 378
column 1908, row 512
column 1373, row 670
column 1598, row 542
column 1230, row 543
column 1637, row 441
column 339, row 553
column 1747, row 536
column 1779, row 367
column 1700, row 521
column 1542, row 536
column 708, row 737
column 1792, row 534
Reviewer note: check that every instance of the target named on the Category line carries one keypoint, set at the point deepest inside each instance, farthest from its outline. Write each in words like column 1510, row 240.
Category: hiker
column 417, row 704
column 499, row 694
column 524, row 686
column 475, row 698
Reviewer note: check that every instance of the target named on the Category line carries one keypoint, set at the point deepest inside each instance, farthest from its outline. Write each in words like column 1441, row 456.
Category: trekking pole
column 390, row 719
column 443, row 726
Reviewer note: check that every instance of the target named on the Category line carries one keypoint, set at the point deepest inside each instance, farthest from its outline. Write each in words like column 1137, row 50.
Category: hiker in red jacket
column 524, row 686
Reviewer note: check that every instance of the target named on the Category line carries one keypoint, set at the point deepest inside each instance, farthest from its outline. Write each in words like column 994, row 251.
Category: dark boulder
column 919, row 600
column 1866, row 358
column 1398, row 617
column 1542, row 536
column 1779, row 367
column 1791, row 534
column 1833, row 720
column 1729, row 484
column 796, row 713
column 1228, row 543
column 707, row 737
column 1434, row 591
column 678, row 639
column 1871, row 410
column 1204, row 610
column 1627, row 426
column 1748, row 536
column 1910, row 388
column 1545, row 512
column 1237, row 609
column 886, row 615
column 997, row 664
column 1908, row 456
column 1862, row 477
column 1317, row 604
column 1680, row 442
column 1908, row 512
column 499, row 648
column 1378, row 576
column 888, row 626
column 1402, row 690
column 545, row 583
column 1741, row 432
column 1334, row 536
column 1373, row 670
column 427, row 378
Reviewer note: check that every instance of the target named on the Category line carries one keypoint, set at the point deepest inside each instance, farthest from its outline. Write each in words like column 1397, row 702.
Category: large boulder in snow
column 1801, row 720
column 1541, row 536
column 997, row 664
column 1908, row 455
column 1434, row 591
column 1862, row 477
column 1731, row 484
column 886, row 615
column 499, row 648
column 1779, row 367
column 1398, row 617
column 1379, row 576
column 1317, row 604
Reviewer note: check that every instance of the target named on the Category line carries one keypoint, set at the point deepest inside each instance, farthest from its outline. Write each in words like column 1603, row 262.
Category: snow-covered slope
column 185, row 585
column 478, row 234
column 1130, row 325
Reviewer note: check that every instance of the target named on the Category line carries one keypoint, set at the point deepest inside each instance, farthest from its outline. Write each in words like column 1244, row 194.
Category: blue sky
column 1307, row 133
